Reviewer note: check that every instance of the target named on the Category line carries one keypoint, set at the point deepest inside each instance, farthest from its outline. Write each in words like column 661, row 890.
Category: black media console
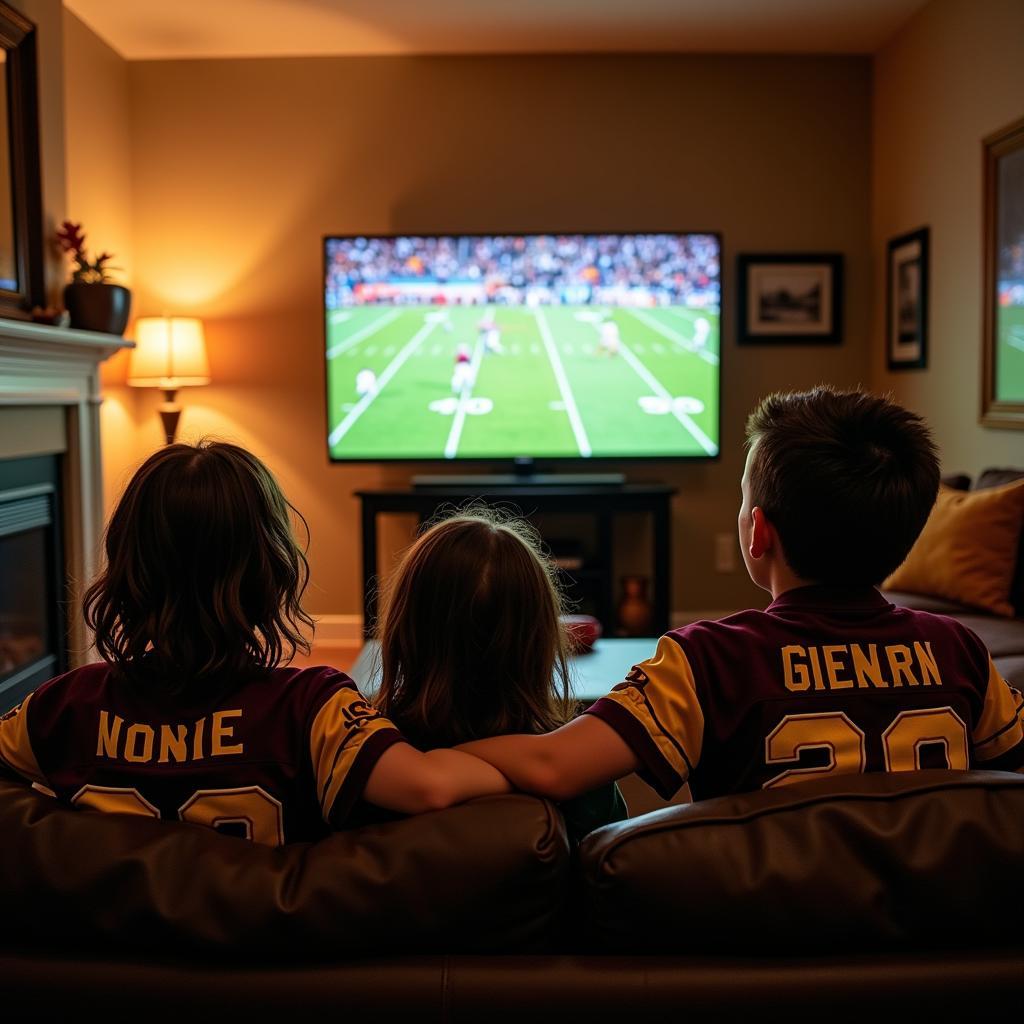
column 602, row 502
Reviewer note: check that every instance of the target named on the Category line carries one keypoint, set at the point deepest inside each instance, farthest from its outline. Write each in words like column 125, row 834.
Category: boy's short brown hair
column 846, row 478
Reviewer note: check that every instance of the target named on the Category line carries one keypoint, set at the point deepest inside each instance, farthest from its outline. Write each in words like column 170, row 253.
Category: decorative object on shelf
column 907, row 301
column 94, row 302
column 790, row 299
column 583, row 631
column 22, row 284
column 1002, row 345
column 50, row 316
column 169, row 353
column 635, row 611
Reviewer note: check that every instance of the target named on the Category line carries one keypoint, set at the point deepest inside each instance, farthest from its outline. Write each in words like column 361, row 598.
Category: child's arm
column 576, row 758
column 409, row 781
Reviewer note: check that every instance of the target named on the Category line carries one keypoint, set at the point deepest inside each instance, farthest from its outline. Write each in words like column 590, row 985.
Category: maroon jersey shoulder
column 863, row 672
column 93, row 731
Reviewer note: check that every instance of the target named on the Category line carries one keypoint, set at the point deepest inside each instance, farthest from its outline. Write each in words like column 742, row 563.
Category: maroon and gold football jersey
column 279, row 758
column 824, row 680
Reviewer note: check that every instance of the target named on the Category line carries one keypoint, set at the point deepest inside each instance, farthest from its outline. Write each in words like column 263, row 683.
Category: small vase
column 635, row 611
column 98, row 307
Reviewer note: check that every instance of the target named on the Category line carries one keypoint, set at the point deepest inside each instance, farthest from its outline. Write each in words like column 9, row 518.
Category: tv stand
column 594, row 582
column 525, row 473
column 484, row 480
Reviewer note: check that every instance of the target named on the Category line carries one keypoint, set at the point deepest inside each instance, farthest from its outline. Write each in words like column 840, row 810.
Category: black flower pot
column 98, row 307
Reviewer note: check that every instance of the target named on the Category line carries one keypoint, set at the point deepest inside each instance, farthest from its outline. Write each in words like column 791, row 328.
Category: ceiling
column 161, row 30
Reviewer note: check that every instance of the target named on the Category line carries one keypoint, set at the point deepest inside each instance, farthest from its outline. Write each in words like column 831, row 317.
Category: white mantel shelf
column 52, row 365
column 57, row 366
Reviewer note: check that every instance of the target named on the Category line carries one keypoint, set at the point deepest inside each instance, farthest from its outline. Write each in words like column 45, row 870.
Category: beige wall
column 241, row 166
column 953, row 75
column 99, row 195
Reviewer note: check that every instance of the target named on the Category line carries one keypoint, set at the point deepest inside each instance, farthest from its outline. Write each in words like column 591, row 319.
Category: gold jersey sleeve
column 1000, row 728
column 665, row 723
column 347, row 737
column 16, row 746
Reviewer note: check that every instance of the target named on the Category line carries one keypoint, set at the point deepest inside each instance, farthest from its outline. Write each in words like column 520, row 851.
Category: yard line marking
column 582, row 442
column 389, row 371
column 371, row 350
column 659, row 389
column 459, row 419
column 390, row 350
column 370, row 328
column 535, row 349
column 436, row 350
column 667, row 332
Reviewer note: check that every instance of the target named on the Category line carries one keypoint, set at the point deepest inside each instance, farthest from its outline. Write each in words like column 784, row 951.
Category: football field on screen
column 547, row 391
column 1010, row 353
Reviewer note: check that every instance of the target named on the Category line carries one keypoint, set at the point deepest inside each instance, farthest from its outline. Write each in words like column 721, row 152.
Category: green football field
column 548, row 392
column 1010, row 354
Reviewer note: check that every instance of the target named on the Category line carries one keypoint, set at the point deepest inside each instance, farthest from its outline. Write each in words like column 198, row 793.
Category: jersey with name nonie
column 281, row 757
column 825, row 680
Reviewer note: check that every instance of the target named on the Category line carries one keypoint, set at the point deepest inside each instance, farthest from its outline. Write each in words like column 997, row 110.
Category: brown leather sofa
column 1003, row 637
column 880, row 894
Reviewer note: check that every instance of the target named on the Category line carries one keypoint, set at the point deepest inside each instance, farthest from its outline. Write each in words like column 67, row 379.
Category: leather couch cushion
column 920, row 859
column 967, row 551
column 490, row 874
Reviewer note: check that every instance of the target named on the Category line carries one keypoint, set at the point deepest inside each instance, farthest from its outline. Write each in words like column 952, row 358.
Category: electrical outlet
column 725, row 552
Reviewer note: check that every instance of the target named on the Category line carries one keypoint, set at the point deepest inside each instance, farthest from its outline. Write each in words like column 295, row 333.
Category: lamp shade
column 169, row 353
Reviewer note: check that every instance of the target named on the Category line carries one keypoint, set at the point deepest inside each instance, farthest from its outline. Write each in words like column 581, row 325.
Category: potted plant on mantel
column 93, row 302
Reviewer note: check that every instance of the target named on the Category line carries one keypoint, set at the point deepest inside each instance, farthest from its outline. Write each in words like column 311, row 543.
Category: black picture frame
column 18, row 39
column 1002, row 341
column 789, row 298
column 906, row 300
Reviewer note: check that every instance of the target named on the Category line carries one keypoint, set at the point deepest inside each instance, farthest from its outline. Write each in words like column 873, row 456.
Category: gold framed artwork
column 1002, row 378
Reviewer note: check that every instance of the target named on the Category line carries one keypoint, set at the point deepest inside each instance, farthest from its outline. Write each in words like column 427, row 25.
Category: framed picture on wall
column 907, row 301
column 1002, row 344
column 790, row 298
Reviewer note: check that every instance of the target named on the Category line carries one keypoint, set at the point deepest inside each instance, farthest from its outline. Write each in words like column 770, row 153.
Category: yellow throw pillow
column 967, row 551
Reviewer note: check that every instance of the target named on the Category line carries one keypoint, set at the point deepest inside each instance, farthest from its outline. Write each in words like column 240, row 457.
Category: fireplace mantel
column 57, row 366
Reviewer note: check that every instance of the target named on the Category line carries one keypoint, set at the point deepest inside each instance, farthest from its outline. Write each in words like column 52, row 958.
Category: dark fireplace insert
column 33, row 636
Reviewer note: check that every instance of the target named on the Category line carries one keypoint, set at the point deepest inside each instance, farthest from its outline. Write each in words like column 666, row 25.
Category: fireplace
column 33, row 637
column 51, row 503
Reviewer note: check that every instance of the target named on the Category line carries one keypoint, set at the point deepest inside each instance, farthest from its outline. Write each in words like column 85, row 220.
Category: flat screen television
column 544, row 347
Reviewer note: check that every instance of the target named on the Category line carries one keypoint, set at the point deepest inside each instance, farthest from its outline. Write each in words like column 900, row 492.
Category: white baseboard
column 338, row 629
column 348, row 629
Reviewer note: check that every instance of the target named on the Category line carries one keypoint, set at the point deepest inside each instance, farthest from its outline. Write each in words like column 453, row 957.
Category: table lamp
column 169, row 353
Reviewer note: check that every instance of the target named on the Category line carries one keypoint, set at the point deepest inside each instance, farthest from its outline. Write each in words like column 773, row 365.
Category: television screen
column 532, row 346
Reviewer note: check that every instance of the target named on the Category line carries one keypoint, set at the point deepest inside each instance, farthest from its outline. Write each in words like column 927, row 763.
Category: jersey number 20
column 843, row 743
column 250, row 807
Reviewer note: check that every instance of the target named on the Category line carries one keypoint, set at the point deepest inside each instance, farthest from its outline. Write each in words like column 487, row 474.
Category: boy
column 831, row 677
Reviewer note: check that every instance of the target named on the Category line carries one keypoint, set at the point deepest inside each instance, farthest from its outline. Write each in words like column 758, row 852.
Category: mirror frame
column 18, row 38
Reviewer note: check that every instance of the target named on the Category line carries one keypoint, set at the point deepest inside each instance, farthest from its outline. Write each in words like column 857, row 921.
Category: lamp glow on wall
column 169, row 353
